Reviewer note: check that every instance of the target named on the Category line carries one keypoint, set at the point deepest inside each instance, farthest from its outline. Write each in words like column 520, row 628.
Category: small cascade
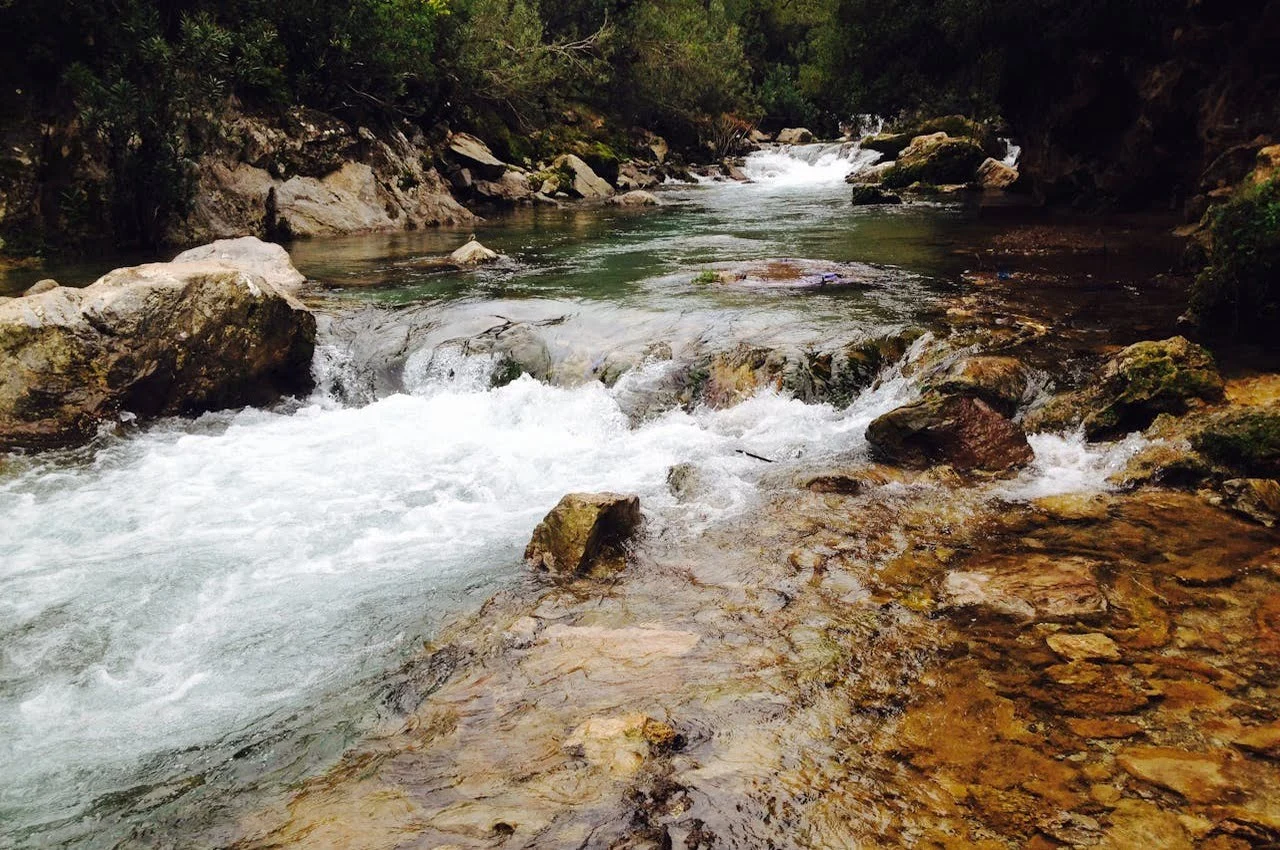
column 808, row 165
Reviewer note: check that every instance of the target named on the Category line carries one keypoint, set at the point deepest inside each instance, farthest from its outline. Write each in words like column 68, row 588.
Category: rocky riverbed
column 875, row 656
column 881, row 590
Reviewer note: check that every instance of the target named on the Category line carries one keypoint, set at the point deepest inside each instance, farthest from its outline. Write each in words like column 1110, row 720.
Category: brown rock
column 583, row 533
column 1139, row 824
column 961, row 431
column 999, row 381
column 1099, row 727
column 1264, row 740
column 1196, row 776
column 1256, row 498
column 1084, row 647
column 1031, row 588
column 994, row 174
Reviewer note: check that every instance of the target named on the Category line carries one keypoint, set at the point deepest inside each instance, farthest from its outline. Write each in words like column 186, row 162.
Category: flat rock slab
column 1035, row 588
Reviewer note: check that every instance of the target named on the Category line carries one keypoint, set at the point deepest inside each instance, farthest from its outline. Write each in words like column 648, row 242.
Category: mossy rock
column 1147, row 379
column 936, row 159
column 889, row 144
column 1245, row 441
column 959, row 126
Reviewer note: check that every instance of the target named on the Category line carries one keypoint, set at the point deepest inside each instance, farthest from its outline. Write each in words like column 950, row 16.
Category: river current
column 196, row 612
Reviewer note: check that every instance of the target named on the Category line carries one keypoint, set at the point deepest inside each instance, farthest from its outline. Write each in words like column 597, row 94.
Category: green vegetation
column 1238, row 292
column 1246, row 441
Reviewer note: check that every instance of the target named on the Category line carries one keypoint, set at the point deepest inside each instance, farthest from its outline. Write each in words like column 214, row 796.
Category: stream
column 198, row 613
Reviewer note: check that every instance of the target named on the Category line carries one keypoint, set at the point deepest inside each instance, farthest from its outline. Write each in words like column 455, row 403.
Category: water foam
column 807, row 165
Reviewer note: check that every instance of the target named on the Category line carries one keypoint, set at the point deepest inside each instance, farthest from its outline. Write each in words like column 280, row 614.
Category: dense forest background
column 1116, row 102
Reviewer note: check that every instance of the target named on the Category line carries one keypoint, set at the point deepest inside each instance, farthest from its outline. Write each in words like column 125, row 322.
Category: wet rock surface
column 584, row 533
column 153, row 340
column 963, row 432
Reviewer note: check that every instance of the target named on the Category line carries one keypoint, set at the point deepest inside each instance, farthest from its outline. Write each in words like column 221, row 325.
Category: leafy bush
column 1238, row 292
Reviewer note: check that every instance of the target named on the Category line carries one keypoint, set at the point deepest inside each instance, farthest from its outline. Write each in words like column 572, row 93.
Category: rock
column 1262, row 740
column 304, row 173
column 250, row 254
column 1033, row 588
column 868, row 195
column 1245, row 441
column 889, row 144
column 476, row 156
column 658, row 147
column 1266, row 165
column 585, row 532
column 518, row 349
column 584, row 183
column 1147, row 379
column 795, row 136
column 1139, row 823
column 636, row 198
column 759, row 137
column 833, row 482
column 936, row 159
column 41, row 286
column 1134, row 387
column 1095, row 727
column 1001, row 382
column 994, row 174
column 1074, row 507
column 621, row 745
column 685, row 481
column 473, row 254
column 511, row 188
column 1086, row 647
column 154, row 340
column 1196, row 776
column 958, row 430
column 631, row 177
column 1256, row 498
column 869, row 176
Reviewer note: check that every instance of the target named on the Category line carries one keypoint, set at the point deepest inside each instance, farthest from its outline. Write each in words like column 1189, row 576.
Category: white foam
column 806, row 165
column 1067, row 463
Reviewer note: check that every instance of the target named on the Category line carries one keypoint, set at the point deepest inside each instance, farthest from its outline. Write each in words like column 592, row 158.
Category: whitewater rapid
column 172, row 590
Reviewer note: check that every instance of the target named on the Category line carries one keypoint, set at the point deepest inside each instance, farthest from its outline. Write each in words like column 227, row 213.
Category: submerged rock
column 635, row 198
column 620, row 745
column 584, row 533
column 473, row 254
column 871, row 195
column 1034, row 588
column 159, row 339
column 961, row 431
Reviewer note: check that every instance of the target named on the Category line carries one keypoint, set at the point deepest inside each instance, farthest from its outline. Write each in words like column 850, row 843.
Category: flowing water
column 199, row 611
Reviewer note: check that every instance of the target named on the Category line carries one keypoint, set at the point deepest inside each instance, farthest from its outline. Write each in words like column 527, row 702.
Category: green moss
column 1238, row 292
column 706, row 277
column 1147, row 379
column 939, row 161
column 1246, row 441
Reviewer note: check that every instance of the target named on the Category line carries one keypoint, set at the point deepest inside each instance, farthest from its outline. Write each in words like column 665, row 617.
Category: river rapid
column 197, row 613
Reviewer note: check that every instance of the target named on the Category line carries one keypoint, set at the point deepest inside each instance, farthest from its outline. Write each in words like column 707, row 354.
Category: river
column 196, row 613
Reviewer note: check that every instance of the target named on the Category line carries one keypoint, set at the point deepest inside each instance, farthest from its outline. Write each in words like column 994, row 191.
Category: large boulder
column 962, row 431
column 582, row 181
column 511, row 188
column 584, row 533
column 250, row 254
column 159, row 339
column 795, row 136
column 475, row 155
column 888, row 144
column 935, row 159
column 1245, row 441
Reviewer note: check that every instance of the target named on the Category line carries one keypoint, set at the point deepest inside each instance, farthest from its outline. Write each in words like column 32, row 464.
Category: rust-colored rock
column 957, row 430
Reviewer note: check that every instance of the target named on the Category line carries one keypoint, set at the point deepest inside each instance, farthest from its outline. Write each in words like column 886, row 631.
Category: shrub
column 1238, row 292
